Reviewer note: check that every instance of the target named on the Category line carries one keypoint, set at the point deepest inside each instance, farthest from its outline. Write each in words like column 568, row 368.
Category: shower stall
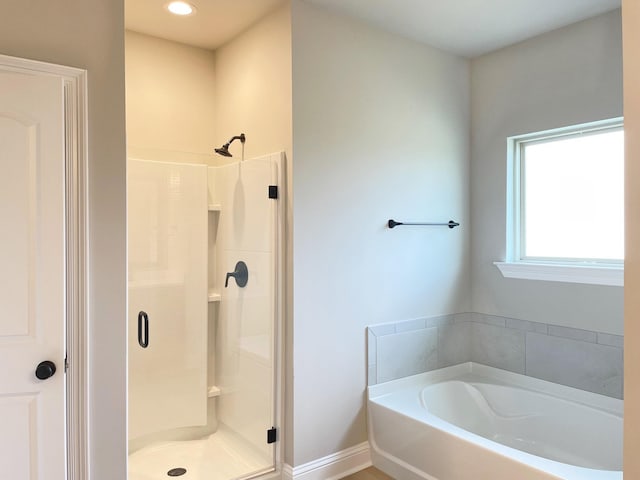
column 205, row 318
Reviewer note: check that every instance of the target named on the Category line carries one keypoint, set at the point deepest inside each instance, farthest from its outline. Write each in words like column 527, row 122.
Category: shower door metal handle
column 143, row 329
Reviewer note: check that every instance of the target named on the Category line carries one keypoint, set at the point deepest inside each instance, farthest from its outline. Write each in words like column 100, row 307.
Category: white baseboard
column 331, row 467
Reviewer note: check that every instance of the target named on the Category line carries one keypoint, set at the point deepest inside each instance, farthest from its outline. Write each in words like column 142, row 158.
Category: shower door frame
column 281, row 286
column 282, row 209
column 76, row 250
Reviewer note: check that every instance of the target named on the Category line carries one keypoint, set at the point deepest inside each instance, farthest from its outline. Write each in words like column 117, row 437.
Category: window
column 566, row 204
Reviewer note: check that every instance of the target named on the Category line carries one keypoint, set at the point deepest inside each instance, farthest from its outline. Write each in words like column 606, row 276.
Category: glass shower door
column 167, row 223
column 246, row 321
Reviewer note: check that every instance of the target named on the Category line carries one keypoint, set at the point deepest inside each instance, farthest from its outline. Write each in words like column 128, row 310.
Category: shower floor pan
column 221, row 456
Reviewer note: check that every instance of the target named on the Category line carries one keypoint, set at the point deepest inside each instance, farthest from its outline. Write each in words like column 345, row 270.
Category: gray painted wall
column 569, row 76
column 381, row 130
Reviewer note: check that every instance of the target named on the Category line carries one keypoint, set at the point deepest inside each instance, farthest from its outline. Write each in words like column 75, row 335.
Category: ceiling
column 214, row 23
column 464, row 27
column 469, row 27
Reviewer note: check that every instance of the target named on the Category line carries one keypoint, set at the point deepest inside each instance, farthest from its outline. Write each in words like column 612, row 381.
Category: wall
column 89, row 34
column 569, row 76
column 631, row 31
column 170, row 117
column 380, row 131
column 183, row 101
column 253, row 96
column 170, row 100
column 253, row 87
column 577, row 358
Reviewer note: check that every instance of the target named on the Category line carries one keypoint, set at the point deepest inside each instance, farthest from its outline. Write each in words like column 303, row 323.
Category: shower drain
column 177, row 472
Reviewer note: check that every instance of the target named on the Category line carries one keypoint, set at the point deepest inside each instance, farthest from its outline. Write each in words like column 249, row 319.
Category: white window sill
column 601, row 275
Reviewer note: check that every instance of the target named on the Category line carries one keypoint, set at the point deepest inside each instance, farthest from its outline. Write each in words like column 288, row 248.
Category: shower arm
column 240, row 137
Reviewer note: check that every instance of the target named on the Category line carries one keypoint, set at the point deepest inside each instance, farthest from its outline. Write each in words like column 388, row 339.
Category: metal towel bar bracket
column 450, row 224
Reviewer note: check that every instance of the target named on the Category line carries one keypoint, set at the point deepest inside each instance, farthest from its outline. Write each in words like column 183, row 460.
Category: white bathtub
column 475, row 422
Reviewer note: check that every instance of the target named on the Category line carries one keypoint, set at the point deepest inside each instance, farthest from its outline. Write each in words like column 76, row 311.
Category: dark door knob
column 45, row 370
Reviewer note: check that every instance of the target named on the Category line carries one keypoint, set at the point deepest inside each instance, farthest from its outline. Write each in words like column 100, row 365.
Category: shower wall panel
column 246, row 324
column 167, row 242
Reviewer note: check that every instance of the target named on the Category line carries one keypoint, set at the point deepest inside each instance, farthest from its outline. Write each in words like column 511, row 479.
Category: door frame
column 76, row 253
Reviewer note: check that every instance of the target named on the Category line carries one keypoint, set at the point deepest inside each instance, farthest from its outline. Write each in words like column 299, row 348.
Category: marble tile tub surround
column 582, row 359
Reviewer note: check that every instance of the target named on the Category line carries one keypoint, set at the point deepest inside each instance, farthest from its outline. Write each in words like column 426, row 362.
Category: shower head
column 224, row 149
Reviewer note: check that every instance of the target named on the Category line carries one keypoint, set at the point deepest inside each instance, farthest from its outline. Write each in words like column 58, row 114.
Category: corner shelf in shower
column 213, row 296
column 215, row 207
column 213, row 391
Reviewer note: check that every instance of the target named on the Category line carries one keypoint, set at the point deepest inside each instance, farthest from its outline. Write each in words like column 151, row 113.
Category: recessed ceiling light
column 181, row 8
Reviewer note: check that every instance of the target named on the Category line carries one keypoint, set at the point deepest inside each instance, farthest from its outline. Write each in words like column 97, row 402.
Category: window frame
column 574, row 270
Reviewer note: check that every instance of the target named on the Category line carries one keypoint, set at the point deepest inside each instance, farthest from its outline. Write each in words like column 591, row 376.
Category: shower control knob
column 240, row 274
column 45, row 370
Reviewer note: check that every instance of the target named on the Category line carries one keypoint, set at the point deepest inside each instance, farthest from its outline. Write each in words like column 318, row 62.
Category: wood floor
column 370, row 473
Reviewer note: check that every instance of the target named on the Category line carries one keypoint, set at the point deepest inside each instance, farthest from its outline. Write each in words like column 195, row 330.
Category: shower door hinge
column 271, row 435
column 273, row 191
column 66, row 364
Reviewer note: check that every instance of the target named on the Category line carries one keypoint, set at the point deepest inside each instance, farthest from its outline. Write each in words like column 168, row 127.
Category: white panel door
column 32, row 291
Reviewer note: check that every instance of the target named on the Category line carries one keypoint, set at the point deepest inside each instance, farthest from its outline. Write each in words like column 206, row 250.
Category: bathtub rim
column 375, row 393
